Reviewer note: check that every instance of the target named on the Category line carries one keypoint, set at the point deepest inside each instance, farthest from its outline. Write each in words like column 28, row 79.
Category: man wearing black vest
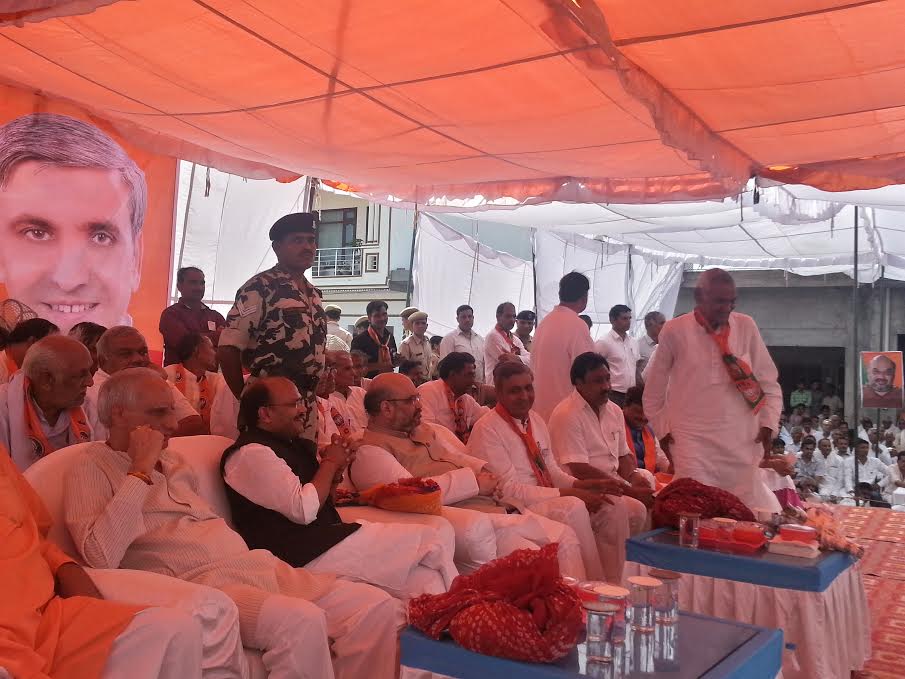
column 281, row 500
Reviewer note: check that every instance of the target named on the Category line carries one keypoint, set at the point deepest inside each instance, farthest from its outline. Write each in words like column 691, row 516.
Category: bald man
column 880, row 390
column 41, row 407
column 712, row 394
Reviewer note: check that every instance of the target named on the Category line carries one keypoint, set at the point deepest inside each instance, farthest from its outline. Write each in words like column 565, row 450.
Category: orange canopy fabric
column 531, row 100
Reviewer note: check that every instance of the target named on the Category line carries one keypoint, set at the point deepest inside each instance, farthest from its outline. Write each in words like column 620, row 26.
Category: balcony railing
column 332, row 262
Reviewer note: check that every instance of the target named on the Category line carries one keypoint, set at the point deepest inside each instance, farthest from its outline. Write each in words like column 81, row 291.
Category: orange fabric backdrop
column 67, row 249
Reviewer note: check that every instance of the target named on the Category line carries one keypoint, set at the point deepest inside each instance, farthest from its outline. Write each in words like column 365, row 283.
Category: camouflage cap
column 296, row 222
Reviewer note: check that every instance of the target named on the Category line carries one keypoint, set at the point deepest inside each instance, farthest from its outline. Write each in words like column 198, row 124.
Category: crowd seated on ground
column 309, row 586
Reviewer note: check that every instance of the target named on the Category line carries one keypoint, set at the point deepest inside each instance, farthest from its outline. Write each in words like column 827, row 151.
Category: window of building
column 337, row 228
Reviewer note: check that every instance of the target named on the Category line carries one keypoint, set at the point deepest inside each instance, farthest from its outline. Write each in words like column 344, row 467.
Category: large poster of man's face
column 881, row 379
column 75, row 220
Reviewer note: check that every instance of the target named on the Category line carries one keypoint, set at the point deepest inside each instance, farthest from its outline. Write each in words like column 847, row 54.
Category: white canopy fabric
column 794, row 228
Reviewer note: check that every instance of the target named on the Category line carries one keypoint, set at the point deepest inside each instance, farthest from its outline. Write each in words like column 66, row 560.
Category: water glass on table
column 666, row 597
column 689, row 527
column 605, row 620
column 642, row 598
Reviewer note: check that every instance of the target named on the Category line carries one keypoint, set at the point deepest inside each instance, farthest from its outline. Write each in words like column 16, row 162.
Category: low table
column 820, row 604
column 707, row 648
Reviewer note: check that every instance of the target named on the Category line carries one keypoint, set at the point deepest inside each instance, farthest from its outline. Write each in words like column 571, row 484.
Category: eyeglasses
column 411, row 400
column 293, row 404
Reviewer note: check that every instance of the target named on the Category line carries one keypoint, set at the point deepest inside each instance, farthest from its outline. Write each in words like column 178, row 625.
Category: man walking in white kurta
column 718, row 405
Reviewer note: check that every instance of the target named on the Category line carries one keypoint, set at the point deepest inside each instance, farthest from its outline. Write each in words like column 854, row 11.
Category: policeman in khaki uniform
column 417, row 346
column 279, row 321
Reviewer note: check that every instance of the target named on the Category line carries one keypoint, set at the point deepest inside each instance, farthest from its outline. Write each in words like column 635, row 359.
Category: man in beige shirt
column 132, row 503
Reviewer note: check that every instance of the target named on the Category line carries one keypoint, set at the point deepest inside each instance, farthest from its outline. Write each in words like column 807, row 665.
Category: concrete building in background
column 806, row 322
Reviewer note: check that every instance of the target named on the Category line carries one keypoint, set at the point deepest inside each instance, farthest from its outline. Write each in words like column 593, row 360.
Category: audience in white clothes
column 195, row 376
column 398, row 445
column 132, row 503
column 895, row 477
column 88, row 333
column 447, row 401
column 621, row 352
column 560, row 337
column 346, row 397
column 334, row 315
column 587, row 434
column 653, row 324
column 809, row 470
column 870, row 469
column 830, row 400
column 281, row 499
column 124, row 347
column 797, row 435
column 464, row 338
column 889, row 444
column 833, row 480
column 877, row 449
column 501, row 343
column 41, row 406
column 807, row 429
column 516, row 444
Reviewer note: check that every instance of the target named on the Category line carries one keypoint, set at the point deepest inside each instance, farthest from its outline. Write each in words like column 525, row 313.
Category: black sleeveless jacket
column 263, row 528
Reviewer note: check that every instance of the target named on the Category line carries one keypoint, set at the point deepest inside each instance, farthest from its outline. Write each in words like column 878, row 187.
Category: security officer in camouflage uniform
column 278, row 322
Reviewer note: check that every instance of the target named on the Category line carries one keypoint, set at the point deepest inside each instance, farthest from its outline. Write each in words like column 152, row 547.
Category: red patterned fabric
column 516, row 607
column 688, row 495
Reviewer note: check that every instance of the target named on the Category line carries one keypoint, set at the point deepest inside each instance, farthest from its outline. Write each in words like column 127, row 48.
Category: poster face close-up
column 85, row 221
column 881, row 379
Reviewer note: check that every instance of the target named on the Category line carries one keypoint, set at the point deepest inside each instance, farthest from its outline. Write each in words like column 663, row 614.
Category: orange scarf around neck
column 78, row 425
column 182, row 376
column 532, row 449
column 383, row 348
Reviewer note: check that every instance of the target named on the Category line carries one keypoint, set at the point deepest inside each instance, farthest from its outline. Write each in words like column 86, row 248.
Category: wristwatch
column 141, row 475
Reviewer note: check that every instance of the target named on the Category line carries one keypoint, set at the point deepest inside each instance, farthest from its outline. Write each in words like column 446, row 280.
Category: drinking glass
column 666, row 597
column 689, row 526
column 606, row 621
column 642, row 589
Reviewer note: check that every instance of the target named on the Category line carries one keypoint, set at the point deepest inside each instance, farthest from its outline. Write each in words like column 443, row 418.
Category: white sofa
column 474, row 538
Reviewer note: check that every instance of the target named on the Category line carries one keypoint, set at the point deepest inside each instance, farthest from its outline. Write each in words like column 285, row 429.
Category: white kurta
column 352, row 408
column 558, row 340
column 471, row 343
column 581, row 435
column 689, row 395
column 334, row 328
column 495, row 345
column 872, row 471
column 435, row 406
column 623, row 355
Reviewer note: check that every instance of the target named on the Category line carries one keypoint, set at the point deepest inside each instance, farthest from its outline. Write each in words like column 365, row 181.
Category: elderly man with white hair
column 41, row 407
column 123, row 347
column 130, row 502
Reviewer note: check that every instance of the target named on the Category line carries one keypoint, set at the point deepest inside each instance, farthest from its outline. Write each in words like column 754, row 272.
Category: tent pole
column 408, row 292
column 856, row 358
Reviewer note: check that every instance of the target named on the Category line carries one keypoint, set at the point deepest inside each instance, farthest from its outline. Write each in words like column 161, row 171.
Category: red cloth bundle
column 516, row 607
column 413, row 495
column 690, row 496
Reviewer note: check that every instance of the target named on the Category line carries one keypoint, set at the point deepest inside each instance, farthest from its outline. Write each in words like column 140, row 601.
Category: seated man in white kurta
column 122, row 347
column 282, row 501
column 130, row 502
column 41, row 406
column 397, row 445
column 712, row 389
column 515, row 442
column 587, row 432
column 346, row 398
column 448, row 401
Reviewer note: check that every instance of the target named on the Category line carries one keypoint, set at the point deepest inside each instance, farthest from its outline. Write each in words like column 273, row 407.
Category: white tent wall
column 227, row 219
column 451, row 269
column 619, row 274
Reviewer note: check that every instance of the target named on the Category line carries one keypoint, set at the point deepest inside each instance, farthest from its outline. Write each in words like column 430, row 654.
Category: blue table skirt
column 660, row 549
column 708, row 648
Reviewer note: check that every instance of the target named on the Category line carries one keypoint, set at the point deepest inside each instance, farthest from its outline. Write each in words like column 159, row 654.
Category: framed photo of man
column 881, row 379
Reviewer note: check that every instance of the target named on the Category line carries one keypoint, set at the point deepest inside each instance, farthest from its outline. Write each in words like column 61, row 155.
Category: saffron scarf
column 78, row 425
column 739, row 371
column 508, row 337
column 203, row 406
column 458, row 410
column 532, row 450
column 383, row 349
column 341, row 425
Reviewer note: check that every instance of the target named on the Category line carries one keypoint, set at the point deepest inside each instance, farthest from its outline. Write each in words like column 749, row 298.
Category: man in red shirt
column 189, row 315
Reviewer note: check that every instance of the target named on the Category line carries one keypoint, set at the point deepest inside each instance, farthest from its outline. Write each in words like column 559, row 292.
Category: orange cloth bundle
column 414, row 496
column 515, row 607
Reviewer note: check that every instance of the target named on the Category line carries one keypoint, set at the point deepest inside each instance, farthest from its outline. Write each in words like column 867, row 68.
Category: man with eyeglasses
column 281, row 499
column 397, row 444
